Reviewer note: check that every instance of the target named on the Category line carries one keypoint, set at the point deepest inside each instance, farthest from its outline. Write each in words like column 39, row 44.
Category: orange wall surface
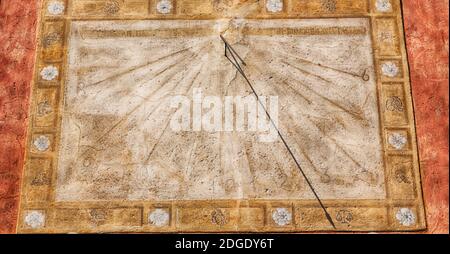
column 426, row 28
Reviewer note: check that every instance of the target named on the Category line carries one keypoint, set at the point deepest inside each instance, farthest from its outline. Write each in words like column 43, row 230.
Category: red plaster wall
column 17, row 46
column 426, row 27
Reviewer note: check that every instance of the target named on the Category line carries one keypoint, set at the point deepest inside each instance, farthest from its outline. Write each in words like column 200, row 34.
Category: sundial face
column 115, row 80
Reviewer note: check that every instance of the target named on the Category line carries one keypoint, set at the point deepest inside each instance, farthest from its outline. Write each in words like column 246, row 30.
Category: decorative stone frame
column 403, row 203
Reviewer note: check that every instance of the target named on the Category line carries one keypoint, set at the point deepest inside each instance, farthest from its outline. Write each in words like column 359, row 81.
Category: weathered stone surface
column 117, row 142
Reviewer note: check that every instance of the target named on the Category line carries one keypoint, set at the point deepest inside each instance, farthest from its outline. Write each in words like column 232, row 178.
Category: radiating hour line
column 239, row 68
column 279, row 88
column 337, row 145
column 356, row 115
column 321, row 130
column 364, row 75
column 137, row 107
column 168, row 121
column 284, row 80
column 352, row 113
column 306, row 72
column 303, row 71
column 199, row 138
column 134, row 68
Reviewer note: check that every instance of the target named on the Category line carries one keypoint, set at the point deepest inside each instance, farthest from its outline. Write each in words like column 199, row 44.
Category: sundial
column 221, row 116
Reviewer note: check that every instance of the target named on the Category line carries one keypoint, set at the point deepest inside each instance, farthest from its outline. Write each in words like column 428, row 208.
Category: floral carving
column 397, row 140
column 159, row 218
column 49, row 73
column 390, row 69
column 406, row 217
column 56, row 8
column 383, row 5
column 274, row 5
column 42, row 143
column 282, row 216
column 164, row 6
column 35, row 219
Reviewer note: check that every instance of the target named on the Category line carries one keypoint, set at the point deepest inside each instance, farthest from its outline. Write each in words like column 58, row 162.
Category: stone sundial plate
column 102, row 154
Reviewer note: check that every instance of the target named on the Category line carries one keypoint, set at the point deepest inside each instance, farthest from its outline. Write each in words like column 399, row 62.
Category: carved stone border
column 402, row 210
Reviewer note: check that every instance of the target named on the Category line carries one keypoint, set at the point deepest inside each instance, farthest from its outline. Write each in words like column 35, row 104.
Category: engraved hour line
column 134, row 68
column 306, row 72
column 229, row 49
column 197, row 73
column 356, row 115
column 333, row 140
column 364, row 76
column 321, row 130
column 138, row 106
